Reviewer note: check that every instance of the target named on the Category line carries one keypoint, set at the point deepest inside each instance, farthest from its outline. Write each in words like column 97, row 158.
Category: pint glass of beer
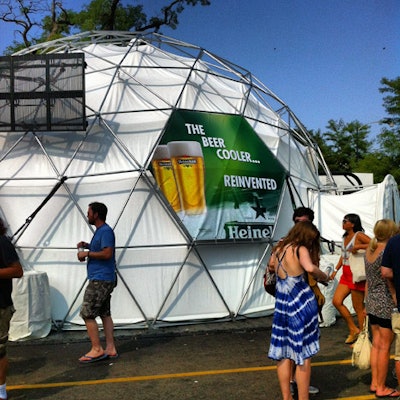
column 188, row 164
column 164, row 176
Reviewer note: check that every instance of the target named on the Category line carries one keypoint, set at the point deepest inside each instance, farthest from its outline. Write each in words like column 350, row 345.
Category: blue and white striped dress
column 295, row 331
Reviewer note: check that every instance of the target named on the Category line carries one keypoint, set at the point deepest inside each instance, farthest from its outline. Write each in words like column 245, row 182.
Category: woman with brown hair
column 295, row 330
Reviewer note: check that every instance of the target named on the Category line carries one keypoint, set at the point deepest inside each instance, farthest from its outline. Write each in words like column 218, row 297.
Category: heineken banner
column 218, row 176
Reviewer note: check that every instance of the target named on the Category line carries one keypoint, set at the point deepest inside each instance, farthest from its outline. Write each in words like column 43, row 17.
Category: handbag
column 357, row 266
column 270, row 282
column 361, row 356
column 317, row 293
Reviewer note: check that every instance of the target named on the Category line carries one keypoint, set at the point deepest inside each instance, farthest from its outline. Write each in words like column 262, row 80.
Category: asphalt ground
column 205, row 361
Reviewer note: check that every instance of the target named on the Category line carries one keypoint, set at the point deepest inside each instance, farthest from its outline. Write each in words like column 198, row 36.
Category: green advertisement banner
column 218, row 176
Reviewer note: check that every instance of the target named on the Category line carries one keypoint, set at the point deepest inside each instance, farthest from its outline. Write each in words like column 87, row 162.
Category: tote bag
column 361, row 356
column 357, row 266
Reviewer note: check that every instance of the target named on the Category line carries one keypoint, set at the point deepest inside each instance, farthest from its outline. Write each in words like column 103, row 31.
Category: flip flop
column 88, row 359
column 113, row 356
column 394, row 393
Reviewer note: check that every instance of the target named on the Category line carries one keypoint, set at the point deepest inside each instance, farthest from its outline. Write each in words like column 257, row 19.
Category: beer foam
column 185, row 148
column 161, row 152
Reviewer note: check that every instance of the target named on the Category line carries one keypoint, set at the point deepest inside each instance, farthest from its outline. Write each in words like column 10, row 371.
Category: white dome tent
column 176, row 263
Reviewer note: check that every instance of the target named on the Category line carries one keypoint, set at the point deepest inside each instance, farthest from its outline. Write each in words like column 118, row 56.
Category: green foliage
column 346, row 147
column 39, row 23
column 343, row 144
column 101, row 15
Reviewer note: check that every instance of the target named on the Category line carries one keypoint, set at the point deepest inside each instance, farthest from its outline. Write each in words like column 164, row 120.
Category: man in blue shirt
column 390, row 269
column 101, row 273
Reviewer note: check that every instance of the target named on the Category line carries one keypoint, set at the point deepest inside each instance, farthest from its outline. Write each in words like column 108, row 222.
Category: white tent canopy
column 173, row 267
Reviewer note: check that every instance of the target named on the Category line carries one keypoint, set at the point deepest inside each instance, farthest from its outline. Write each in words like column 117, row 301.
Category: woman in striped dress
column 295, row 330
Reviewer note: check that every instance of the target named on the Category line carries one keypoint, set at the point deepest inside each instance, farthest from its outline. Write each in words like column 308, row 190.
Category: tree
column 37, row 22
column 345, row 146
column 389, row 138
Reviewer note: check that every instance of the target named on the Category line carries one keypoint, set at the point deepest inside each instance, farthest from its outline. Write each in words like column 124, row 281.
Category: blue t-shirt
column 102, row 270
column 391, row 259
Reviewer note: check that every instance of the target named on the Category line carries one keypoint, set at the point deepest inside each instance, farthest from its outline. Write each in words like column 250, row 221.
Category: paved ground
column 208, row 361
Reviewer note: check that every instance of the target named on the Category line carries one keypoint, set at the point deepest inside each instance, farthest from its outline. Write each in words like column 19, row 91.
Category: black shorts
column 382, row 322
column 96, row 300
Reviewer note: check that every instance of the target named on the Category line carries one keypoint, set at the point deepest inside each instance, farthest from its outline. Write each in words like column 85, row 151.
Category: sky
column 324, row 58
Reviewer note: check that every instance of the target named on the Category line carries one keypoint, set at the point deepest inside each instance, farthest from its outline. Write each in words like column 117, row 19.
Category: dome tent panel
column 100, row 152
column 22, row 201
column 246, row 268
column 204, row 92
column 194, row 287
column 149, row 278
column 27, row 156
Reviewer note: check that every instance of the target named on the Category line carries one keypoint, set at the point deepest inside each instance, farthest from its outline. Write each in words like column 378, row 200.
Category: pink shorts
column 347, row 279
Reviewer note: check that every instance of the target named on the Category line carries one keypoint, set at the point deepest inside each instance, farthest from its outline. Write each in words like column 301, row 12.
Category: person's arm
column 387, row 274
column 104, row 254
column 361, row 243
column 308, row 265
column 271, row 263
column 338, row 266
column 12, row 270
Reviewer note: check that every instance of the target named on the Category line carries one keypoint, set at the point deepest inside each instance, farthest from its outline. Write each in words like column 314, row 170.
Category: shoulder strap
column 352, row 241
column 280, row 262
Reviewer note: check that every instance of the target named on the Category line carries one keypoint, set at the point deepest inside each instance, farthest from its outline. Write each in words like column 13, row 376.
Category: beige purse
column 361, row 356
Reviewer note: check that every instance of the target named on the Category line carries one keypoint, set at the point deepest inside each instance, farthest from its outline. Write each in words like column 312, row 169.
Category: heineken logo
column 245, row 231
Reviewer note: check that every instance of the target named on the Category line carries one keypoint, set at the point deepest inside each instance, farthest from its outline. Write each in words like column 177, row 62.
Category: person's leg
column 303, row 374
column 108, row 323
column 374, row 357
column 108, row 326
column 385, row 338
column 357, row 299
column 396, row 330
column 92, row 301
column 93, row 333
column 284, row 368
column 5, row 318
column 342, row 291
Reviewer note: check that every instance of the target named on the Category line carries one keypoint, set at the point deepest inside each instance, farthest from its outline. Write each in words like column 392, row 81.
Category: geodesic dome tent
column 199, row 163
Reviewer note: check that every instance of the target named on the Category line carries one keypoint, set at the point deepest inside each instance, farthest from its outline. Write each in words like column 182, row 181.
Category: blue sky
column 323, row 58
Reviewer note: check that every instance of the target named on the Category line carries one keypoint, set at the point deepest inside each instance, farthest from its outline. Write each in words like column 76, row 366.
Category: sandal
column 389, row 395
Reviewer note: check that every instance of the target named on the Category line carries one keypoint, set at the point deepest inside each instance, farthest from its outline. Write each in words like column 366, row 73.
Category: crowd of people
column 295, row 328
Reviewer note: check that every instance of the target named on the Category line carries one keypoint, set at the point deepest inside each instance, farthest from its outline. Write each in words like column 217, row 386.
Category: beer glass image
column 164, row 176
column 188, row 164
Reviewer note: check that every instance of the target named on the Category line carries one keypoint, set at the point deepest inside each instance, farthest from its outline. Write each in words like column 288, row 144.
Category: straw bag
column 357, row 266
column 361, row 356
